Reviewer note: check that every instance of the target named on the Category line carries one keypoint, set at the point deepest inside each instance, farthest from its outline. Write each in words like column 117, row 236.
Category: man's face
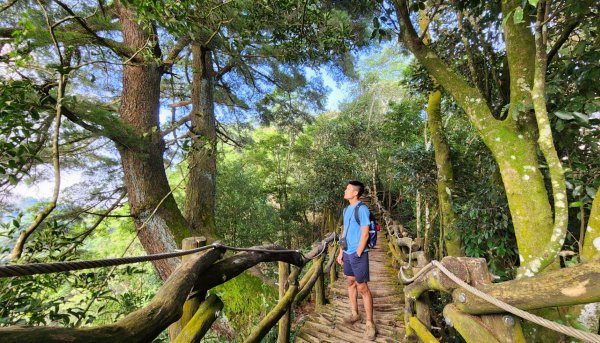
column 350, row 192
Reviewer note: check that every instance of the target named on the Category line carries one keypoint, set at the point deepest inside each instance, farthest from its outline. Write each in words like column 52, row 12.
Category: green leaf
column 376, row 22
column 518, row 16
column 575, row 204
column 581, row 117
column 564, row 115
column 591, row 191
column 533, row 2
column 12, row 179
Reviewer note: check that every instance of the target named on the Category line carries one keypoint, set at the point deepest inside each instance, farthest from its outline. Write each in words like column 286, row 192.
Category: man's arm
column 340, row 260
column 364, row 238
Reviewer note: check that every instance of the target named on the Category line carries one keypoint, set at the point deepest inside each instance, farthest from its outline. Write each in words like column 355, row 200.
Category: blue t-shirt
column 352, row 228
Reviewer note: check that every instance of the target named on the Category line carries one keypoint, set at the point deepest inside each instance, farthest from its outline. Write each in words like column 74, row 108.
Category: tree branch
column 226, row 138
column 173, row 54
column 119, row 49
column 7, row 5
column 231, row 267
column 139, row 326
column 226, row 69
column 80, row 238
column 176, row 125
column 20, row 243
column 469, row 98
column 562, row 39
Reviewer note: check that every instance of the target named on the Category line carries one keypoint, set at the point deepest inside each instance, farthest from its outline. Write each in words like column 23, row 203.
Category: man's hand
column 340, row 260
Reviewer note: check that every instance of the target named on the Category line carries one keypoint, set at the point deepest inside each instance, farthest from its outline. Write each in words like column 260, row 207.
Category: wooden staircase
column 325, row 324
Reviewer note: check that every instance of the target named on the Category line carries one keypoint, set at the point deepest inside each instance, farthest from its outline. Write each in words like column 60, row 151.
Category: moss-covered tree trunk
column 589, row 315
column 157, row 218
column 591, row 243
column 545, row 140
column 511, row 141
column 202, row 158
column 445, row 176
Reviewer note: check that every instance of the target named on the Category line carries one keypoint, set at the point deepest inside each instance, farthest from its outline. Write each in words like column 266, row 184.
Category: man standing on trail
column 354, row 257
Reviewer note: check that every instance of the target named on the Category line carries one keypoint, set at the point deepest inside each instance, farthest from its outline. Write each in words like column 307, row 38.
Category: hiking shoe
column 370, row 331
column 351, row 318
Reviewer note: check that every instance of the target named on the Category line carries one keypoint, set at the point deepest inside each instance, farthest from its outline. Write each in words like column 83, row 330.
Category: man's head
column 354, row 189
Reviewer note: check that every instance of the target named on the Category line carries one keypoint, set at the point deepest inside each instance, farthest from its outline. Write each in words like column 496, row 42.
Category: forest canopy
column 141, row 123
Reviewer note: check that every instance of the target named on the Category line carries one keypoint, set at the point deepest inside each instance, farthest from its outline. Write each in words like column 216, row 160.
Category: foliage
column 96, row 296
column 21, row 129
column 247, row 300
column 244, row 215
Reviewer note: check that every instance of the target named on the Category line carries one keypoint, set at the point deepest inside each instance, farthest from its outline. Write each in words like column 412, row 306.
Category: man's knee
column 363, row 287
column 351, row 281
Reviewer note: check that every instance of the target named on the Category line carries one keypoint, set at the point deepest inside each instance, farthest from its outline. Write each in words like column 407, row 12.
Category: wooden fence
column 181, row 306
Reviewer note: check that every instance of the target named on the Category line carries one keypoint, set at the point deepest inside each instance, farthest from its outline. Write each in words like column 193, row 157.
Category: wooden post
column 199, row 324
column 309, row 279
column 284, row 323
column 191, row 306
column 423, row 303
column 422, row 331
column 470, row 327
column 272, row 317
column 333, row 270
column 320, row 287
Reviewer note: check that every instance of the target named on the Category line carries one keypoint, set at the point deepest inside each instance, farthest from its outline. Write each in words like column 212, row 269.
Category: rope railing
column 196, row 275
column 566, row 330
column 563, row 329
column 57, row 267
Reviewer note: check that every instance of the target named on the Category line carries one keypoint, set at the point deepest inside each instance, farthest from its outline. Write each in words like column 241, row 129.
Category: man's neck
column 353, row 201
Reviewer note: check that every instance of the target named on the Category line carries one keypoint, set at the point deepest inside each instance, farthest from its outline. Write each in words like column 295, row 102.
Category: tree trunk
column 445, row 176
column 512, row 142
column 589, row 314
column 591, row 243
column 158, row 220
column 202, row 159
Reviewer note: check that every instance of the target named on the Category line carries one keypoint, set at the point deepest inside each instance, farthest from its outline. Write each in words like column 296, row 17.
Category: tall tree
column 445, row 175
column 540, row 228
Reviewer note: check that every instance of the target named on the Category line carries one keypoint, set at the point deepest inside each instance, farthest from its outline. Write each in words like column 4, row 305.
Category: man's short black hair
column 359, row 185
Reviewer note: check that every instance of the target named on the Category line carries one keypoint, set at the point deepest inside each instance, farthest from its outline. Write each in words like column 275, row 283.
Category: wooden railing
column 476, row 319
column 181, row 302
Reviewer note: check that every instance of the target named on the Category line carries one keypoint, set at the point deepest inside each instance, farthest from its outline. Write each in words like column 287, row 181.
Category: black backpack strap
column 356, row 213
column 344, row 223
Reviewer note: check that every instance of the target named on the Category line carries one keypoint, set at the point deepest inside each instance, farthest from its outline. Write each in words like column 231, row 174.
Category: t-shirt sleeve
column 363, row 215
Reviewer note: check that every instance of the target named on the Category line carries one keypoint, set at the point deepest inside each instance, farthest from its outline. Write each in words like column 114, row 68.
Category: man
column 355, row 259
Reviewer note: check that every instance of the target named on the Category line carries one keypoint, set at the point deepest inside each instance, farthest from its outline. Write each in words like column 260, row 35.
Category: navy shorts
column 357, row 266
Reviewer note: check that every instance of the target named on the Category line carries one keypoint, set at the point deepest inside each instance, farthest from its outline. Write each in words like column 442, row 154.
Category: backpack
column 373, row 226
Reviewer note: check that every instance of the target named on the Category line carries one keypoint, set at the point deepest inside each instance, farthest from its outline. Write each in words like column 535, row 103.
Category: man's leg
column 352, row 294
column 353, row 316
column 361, row 275
column 365, row 292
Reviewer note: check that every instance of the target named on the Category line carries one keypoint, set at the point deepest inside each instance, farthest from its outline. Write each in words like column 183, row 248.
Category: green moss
column 247, row 300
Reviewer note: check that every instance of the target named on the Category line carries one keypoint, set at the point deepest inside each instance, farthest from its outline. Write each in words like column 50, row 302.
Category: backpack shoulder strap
column 356, row 212
column 345, row 230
